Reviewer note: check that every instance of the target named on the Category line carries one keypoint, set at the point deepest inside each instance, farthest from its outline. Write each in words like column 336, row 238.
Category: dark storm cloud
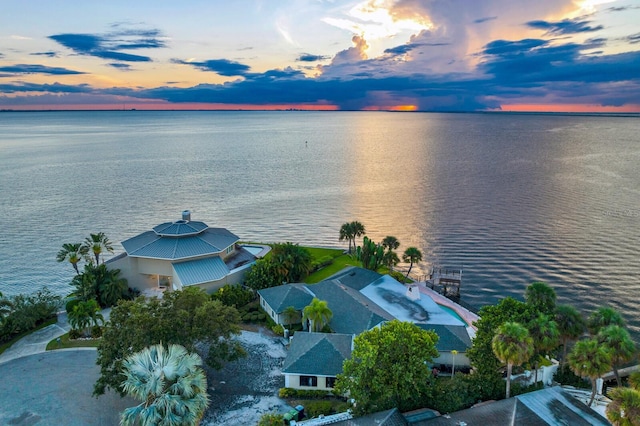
column 38, row 69
column 223, row 67
column 110, row 45
column 566, row 26
column 50, row 88
column 49, row 54
column 307, row 57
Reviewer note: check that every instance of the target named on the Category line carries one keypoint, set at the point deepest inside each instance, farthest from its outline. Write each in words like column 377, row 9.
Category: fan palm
column 290, row 314
column 318, row 313
column 411, row 255
column 545, row 335
column 512, row 345
column 170, row 384
column 589, row 359
column 619, row 342
column 571, row 325
column 541, row 296
column 603, row 317
column 390, row 243
column 624, row 408
column 111, row 287
column 349, row 231
column 97, row 244
column 73, row 252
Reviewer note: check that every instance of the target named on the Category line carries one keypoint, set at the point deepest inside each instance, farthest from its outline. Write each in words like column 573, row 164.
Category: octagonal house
column 183, row 253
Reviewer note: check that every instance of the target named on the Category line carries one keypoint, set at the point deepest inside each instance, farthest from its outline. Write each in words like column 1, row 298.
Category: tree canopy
column 411, row 255
column 287, row 263
column 590, row 359
column 350, row 231
column 389, row 367
column 513, row 345
column 318, row 314
column 542, row 297
column 188, row 318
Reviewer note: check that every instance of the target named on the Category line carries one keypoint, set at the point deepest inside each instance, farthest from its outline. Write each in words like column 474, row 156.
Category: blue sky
column 433, row 55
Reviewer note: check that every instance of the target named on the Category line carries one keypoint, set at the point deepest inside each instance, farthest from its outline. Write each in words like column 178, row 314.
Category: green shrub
column 271, row 419
column 278, row 329
column 261, row 317
column 71, row 304
column 565, row 376
column 74, row 334
column 318, row 407
column 254, row 316
column 303, row 393
column 246, row 317
column 234, row 295
column 96, row 331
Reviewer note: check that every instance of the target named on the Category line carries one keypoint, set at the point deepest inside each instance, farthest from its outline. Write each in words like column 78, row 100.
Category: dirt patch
column 245, row 389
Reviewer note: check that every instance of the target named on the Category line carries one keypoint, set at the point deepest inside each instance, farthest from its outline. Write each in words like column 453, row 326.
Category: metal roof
column 321, row 353
column 201, row 270
column 152, row 245
column 450, row 337
column 180, row 228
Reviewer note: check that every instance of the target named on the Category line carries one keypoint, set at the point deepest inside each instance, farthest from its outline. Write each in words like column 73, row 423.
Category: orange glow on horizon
column 391, row 108
column 165, row 106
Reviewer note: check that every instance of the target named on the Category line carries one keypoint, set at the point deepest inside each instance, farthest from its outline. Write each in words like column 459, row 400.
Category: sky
column 400, row 55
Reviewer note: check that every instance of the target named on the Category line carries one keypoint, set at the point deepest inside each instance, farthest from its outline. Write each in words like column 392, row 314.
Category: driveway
column 54, row 388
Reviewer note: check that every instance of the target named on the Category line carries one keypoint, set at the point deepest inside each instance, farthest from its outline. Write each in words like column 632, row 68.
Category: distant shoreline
column 572, row 114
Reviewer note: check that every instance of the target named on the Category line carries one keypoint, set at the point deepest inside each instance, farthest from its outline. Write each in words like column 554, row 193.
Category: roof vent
column 186, row 215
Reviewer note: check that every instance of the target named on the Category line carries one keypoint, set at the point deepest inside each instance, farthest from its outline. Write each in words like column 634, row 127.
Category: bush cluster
column 23, row 313
column 234, row 295
column 303, row 393
column 321, row 263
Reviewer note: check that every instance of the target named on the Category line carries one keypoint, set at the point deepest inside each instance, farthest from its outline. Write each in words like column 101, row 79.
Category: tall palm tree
column 624, row 408
column 619, row 342
column 345, row 233
column 97, row 244
column 546, row 336
column 318, row 313
column 603, row 317
column 411, row 255
column 541, row 296
column 589, row 359
column 571, row 325
column 357, row 230
column 169, row 382
column 73, row 252
column 289, row 314
column 390, row 259
column 512, row 345
column 390, row 242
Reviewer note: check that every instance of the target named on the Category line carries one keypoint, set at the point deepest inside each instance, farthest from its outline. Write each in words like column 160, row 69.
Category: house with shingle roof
column 182, row 253
column 319, row 353
column 361, row 300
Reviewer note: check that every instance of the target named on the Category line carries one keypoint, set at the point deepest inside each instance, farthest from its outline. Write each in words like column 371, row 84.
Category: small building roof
column 180, row 228
column 319, row 354
column 550, row 406
column 283, row 296
column 176, row 247
column 200, row 271
column 451, row 337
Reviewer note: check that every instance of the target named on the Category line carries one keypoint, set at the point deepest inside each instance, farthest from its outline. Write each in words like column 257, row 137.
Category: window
column 331, row 382
column 311, row 381
column 229, row 249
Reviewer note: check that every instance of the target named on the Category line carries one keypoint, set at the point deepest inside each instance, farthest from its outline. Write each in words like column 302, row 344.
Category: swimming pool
column 453, row 313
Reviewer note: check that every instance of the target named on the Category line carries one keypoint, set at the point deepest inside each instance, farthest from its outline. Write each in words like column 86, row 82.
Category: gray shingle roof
column 391, row 417
column 317, row 353
column 151, row 245
column 353, row 312
column 283, row 296
column 451, row 337
column 201, row 270
column 550, row 406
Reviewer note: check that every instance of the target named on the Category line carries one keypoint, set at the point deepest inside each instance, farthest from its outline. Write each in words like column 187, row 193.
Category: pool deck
column 264, row 249
column 469, row 317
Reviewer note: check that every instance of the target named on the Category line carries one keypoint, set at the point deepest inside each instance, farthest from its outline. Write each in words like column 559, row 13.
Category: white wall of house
column 294, row 381
column 155, row 267
column 270, row 311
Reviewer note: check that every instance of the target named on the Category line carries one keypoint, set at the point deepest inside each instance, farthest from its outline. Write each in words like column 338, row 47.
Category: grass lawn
column 66, row 343
column 7, row 345
column 339, row 263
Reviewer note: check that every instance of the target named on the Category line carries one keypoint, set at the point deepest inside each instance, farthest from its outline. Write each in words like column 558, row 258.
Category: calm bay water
column 511, row 198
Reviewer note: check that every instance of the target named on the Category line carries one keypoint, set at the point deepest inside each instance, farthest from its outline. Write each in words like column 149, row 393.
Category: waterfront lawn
column 339, row 263
column 66, row 343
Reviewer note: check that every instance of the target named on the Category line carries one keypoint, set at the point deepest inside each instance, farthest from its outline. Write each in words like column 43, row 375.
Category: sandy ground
column 244, row 390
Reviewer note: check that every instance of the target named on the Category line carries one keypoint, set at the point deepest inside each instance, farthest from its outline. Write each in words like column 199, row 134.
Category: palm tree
column 290, row 314
column 603, row 317
column 545, row 335
column 619, row 342
column 390, row 243
column 84, row 315
column 345, row 233
column 541, row 296
column 571, row 325
column 111, row 286
column 589, row 359
column 97, row 244
column 624, row 408
column 349, row 231
column 411, row 255
column 357, row 230
column 318, row 313
column 390, row 259
column 512, row 345
column 73, row 252
column 170, row 384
